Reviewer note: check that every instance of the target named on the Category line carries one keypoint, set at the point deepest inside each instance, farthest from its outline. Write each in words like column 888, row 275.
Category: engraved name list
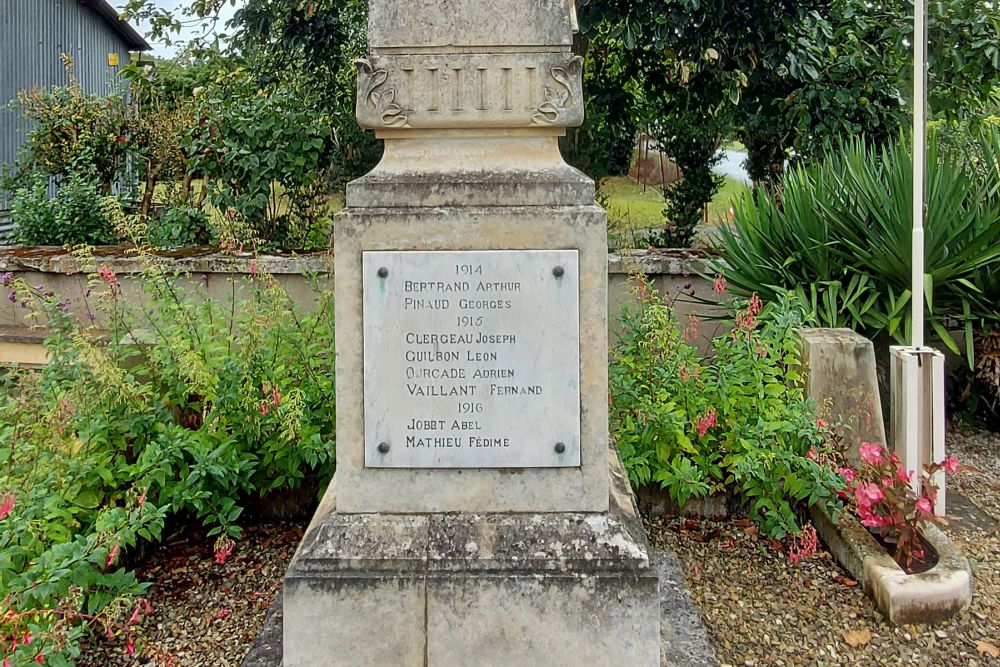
column 471, row 359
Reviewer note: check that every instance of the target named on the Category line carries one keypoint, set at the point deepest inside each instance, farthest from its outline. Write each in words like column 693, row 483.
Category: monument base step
column 454, row 589
column 683, row 639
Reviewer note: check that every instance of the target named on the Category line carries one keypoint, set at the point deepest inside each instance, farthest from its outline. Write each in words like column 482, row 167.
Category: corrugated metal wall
column 33, row 33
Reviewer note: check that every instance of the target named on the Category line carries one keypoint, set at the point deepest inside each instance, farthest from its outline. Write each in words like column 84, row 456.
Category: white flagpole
column 919, row 150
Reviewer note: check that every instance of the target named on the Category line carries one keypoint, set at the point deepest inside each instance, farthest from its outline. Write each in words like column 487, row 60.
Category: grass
column 629, row 205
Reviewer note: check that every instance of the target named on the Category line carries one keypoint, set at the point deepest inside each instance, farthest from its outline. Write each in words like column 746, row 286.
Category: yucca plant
column 838, row 235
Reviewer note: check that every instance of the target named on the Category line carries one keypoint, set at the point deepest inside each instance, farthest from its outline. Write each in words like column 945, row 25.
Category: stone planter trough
column 928, row 597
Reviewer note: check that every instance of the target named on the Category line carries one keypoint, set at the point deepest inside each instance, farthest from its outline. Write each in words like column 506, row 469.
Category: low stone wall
column 676, row 274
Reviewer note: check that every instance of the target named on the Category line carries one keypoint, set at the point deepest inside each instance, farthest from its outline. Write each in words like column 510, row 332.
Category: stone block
column 469, row 24
column 576, row 489
column 374, row 620
column 841, row 378
column 567, row 588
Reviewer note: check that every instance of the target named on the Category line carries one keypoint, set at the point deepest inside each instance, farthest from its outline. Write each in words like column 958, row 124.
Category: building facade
column 33, row 36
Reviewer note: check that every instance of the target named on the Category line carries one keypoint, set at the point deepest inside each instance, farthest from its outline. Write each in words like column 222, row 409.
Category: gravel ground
column 204, row 614
column 758, row 609
column 761, row 610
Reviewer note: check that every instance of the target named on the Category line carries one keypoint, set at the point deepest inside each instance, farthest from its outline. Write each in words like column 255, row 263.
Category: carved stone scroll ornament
column 377, row 97
column 559, row 97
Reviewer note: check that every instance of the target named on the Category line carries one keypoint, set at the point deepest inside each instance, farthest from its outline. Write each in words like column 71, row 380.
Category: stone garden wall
column 676, row 275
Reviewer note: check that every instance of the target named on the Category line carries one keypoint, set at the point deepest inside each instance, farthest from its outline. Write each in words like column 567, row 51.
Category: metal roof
column 109, row 14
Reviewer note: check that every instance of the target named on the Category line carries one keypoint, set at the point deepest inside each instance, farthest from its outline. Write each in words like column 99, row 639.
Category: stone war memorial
column 478, row 514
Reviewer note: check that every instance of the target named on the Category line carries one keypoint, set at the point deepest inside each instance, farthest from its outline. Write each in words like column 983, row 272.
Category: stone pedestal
column 474, row 517
column 550, row 588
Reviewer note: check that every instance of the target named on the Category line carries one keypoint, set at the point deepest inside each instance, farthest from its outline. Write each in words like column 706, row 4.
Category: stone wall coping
column 212, row 260
column 187, row 260
column 669, row 262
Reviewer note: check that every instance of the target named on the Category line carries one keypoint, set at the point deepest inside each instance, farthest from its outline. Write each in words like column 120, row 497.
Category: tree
column 847, row 71
column 693, row 59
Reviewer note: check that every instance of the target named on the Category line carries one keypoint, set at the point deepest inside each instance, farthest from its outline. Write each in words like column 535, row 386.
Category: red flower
column 720, row 284
column 7, row 505
column 223, row 550
column 112, row 555
column 108, row 276
column 706, row 422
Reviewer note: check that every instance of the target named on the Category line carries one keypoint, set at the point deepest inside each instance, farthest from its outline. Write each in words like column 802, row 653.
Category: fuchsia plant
column 880, row 493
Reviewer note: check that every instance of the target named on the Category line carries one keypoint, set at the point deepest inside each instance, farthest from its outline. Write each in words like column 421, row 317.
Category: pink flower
column 142, row 498
column 870, row 454
column 224, row 613
column 112, row 555
column 924, row 505
column 755, row 305
column 848, row 474
column 706, row 422
column 130, row 645
column 720, row 284
column 7, row 505
column 874, row 521
column 811, row 454
column 868, row 494
column 950, row 464
column 903, row 475
column 223, row 550
column 108, row 276
column 820, row 423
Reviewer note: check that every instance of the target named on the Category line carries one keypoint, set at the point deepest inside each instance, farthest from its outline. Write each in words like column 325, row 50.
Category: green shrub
column 838, row 236
column 181, row 407
column 72, row 217
column 735, row 423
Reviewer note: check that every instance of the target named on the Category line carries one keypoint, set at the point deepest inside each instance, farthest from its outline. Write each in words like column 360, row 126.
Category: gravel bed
column 761, row 610
column 758, row 609
column 204, row 614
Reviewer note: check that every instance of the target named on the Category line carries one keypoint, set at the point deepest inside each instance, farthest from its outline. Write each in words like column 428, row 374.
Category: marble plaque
column 472, row 359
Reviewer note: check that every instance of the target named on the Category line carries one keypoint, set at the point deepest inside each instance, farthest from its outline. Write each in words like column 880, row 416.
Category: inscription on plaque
column 472, row 359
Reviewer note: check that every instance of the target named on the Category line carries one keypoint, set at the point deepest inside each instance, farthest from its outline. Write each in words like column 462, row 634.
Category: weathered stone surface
column 841, row 379
column 582, row 489
column 495, row 90
column 540, row 588
column 928, row 597
column 684, row 641
column 550, row 620
column 441, row 25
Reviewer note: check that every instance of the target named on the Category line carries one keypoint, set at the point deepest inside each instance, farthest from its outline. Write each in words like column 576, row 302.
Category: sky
column 162, row 50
